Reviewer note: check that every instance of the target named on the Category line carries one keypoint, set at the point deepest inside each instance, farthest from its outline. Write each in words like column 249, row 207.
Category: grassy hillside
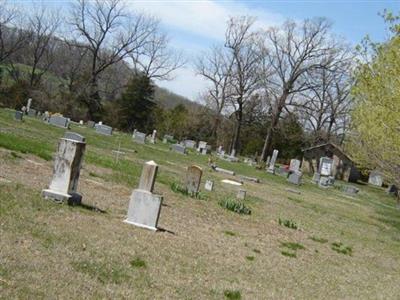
column 316, row 244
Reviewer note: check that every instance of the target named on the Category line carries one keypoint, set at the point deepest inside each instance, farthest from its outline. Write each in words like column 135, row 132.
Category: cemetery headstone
column 294, row 165
column 295, row 177
column 241, row 195
column 375, row 178
column 144, row 206
column 28, row 105
column 271, row 166
column 202, row 145
column 59, row 121
column 74, row 136
column 209, row 185
column 324, row 182
column 349, row 189
column 46, row 116
column 221, row 170
column 193, row 179
column 168, row 138
column 32, row 112
column 67, row 166
column 325, row 166
column 103, row 129
column 81, row 122
column 316, row 177
column 190, row 144
column 140, row 137
column 90, row 124
column 19, row 115
column 153, row 137
column 179, row 148
column 392, row 190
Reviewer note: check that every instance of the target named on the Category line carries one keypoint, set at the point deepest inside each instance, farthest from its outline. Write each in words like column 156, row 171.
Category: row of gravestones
column 144, row 206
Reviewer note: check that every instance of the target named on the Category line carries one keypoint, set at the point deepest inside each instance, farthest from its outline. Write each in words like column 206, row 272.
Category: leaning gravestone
column 375, row 178
column 90, row 124
column 294, row 165
column 295, row 177
column 209, row 185
column 193, row 179
column 74, row 136
column 59, row 121
column 271, row 166
column 178, row 148
column 139, row 137
column 67, row 166
column 103, row 129
column 144, row 206
column 19, row 115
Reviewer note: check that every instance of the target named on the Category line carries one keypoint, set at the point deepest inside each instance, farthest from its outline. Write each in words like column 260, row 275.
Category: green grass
column 292, row 246
column 289, row 254
column 318, row 240
column 232, row 295
column 250, row 258
column 287, row 223
column 339, row 247
column 26, row 145
column 138, row 263
column 230, row 233
column 235, row 206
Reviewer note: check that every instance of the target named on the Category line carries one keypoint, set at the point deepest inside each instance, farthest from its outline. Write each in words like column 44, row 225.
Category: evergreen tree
column 136, row 105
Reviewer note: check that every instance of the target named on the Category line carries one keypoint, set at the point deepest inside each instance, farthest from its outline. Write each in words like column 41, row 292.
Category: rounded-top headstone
column 148, row 177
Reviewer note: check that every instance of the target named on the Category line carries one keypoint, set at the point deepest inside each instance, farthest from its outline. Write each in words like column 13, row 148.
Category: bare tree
column 109, row 34
column 293, row 52
column 216, row 67
column 42, row 28
column 154, row 59
column 244, row 47
column 11, row 35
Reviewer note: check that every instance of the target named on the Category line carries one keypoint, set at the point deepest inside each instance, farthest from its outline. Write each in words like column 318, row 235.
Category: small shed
column 343, row 166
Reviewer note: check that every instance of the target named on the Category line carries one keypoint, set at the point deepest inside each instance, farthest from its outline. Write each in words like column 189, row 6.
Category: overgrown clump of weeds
column 341, row 248
column 232, row 295
column 230, row 233
column 250, row 258
column 288, row 254
column 138, row 263
column 287, row 223
column 177, row 188
column 292, row 246
column 235, row 206
column 318, row 240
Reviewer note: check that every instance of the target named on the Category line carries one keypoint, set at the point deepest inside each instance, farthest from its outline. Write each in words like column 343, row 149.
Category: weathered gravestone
column 153, row 137
column 168, row 138
column 247, row 178
column 209, row 185
column 139, row 137
column 375, row 178
column 202, row 145
column 144, row 206
column 90, row 124
column 241, row 195
column 19, row 115
column 179, row 148
column 325, row 166
column 74, row 136
column 28, row 105
column 349, row 189
column 283, row 171
column 59, row 121
column 221, row 170
column 190, row 144
column 193, row 179
column 103, row 129
column 295, row 177
column 316, row 177
column 67, row 166
column 294, row 165
column 32, row 112
column 271, row 166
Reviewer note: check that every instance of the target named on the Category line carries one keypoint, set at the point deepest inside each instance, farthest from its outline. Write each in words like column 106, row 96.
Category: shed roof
column 329, row 144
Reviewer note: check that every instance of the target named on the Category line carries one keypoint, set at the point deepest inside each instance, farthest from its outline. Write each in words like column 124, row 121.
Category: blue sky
column 193, row 26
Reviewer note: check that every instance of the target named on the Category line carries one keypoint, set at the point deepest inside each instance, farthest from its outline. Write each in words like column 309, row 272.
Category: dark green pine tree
column 136, row 105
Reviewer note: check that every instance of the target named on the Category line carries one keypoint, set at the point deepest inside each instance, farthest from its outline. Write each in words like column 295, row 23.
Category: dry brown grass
column 50, row 250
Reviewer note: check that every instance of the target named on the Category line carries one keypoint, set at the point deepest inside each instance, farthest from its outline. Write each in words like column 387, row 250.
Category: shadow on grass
column 160, row 229
column 91, row 208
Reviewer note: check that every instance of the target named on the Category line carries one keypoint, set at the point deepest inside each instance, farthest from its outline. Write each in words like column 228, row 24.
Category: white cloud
column 193, row 26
